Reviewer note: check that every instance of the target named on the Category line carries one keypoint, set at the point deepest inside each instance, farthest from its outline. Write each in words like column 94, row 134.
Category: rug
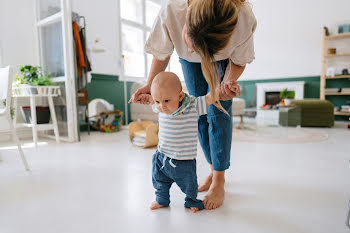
column 281, row 135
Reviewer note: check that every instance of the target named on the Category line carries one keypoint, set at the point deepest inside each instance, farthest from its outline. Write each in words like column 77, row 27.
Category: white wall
column 17, row 33
column 101, row 23
column 17, row 40
column 288, row 38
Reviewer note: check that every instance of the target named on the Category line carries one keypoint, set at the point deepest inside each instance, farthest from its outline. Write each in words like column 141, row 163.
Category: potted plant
column 33, row 76
column 33, row 80
column 287, row 96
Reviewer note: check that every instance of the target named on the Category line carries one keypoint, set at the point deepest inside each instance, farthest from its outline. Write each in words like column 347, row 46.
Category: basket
column 114, row 126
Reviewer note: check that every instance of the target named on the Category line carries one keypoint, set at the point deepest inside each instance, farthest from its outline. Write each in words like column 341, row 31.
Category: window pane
column 131, row 10
column 149, row 62
column 132, row 39
column 152, row 10
column 52, row 49
column 48, row 8
column 175, row 66
column 132, row 46
column 134, row 64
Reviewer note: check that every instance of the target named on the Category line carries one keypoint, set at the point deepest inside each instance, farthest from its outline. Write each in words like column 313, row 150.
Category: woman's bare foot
column 215, row 196
column 155, row 206
column 194, row 209
column 205, row 184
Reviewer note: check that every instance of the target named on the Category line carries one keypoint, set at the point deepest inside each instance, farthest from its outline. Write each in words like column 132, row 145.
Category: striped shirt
column 178, row 133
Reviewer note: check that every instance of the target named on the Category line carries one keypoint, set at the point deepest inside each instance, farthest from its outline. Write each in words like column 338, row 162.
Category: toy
column 100, row 124
column 143, row 133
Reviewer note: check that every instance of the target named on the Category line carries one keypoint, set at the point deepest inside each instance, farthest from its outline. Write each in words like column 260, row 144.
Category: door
column 56, row 57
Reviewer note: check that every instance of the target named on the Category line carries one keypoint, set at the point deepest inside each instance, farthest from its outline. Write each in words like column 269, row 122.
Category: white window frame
column 145, row 29
column 65, row 17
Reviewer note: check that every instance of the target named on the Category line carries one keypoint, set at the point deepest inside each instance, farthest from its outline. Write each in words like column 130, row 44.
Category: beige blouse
column 167, row 34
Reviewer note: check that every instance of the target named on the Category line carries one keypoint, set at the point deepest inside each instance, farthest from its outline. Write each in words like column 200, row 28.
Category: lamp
column 97, row 47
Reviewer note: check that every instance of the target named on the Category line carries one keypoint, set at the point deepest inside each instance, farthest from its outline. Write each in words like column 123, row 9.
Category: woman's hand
column 228, row 90
column 136, row 97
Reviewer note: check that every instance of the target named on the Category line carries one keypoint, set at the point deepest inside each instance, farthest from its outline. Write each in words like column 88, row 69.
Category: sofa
column 316, row 112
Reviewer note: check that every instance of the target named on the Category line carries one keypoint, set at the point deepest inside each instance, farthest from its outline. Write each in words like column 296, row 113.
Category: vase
column 287, row 102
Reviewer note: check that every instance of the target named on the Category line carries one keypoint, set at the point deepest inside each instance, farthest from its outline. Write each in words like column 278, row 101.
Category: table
column 33, row 92
column 284, row 116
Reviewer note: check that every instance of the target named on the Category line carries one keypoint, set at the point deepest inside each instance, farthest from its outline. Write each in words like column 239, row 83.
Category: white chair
column 6, row 78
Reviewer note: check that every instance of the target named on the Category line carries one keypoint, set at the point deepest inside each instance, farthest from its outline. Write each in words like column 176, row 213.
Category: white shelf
column 38, row 126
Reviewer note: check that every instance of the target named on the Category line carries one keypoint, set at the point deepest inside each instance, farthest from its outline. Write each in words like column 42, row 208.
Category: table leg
column 34, row 121
column 53, row 117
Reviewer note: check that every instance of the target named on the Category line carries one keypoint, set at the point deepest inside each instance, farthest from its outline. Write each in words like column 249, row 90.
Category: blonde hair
column 210, row 25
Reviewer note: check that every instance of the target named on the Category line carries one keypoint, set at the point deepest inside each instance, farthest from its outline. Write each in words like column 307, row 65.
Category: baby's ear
column 181, row 95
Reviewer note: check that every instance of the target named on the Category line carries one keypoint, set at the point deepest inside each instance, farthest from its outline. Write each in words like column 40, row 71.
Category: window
column 1, row 55
column 136, row 20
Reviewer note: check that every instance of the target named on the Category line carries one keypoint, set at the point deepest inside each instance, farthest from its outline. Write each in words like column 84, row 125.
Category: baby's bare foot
column 155, row 206
column 205, row 184
column 194, row 209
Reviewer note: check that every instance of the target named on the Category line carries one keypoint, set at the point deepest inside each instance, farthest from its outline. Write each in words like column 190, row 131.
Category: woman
column 214, row 40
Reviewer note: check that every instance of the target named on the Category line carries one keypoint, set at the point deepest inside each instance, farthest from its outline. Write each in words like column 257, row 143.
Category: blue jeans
column 166, row 171
column 214, row 129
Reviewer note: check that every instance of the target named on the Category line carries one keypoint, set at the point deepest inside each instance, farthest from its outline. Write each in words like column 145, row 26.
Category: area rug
column 282, row 135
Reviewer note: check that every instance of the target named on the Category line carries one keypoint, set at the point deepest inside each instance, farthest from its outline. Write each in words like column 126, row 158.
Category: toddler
column 175, row 157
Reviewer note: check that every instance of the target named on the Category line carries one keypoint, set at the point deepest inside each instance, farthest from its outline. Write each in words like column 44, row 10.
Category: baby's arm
column 146, row 99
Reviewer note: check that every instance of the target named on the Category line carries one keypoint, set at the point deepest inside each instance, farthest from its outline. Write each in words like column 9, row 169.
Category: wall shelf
column 342, row 113
column 335, row 85
column 346, row 93
column 338, row 55
column 339, row 36
column 337, row 77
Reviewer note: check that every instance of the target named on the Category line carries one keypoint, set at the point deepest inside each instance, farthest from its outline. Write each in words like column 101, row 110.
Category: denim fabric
column 214, row 129
column 183, row 173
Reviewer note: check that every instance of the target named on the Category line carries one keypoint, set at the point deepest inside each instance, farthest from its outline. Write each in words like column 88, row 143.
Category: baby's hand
column 145, row 99
column 234, row 87
column 228, row 90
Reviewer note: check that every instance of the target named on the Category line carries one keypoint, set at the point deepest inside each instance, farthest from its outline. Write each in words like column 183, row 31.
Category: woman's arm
column 156, row 67
column 233, row 71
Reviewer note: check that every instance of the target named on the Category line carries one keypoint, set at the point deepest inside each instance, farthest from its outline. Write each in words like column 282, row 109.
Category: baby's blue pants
column 166, row 171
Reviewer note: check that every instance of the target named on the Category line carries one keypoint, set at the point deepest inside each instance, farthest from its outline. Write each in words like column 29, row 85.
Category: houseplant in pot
column 287, row 96
column 33, row 76
column 31, row 79
column 28, row 74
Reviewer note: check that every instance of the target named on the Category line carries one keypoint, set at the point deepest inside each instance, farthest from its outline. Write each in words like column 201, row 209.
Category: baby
column 175, row 157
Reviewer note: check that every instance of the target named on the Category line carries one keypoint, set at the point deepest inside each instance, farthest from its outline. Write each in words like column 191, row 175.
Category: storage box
column 83, row 97
column 42, row 114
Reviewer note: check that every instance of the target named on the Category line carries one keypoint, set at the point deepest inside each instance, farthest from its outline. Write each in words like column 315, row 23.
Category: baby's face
column 167, row 100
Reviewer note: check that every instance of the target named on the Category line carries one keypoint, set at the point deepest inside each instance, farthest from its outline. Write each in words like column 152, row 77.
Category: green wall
column 108, row 87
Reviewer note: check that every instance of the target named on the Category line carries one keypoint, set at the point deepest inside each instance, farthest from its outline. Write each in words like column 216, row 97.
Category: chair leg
column 14, row 135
